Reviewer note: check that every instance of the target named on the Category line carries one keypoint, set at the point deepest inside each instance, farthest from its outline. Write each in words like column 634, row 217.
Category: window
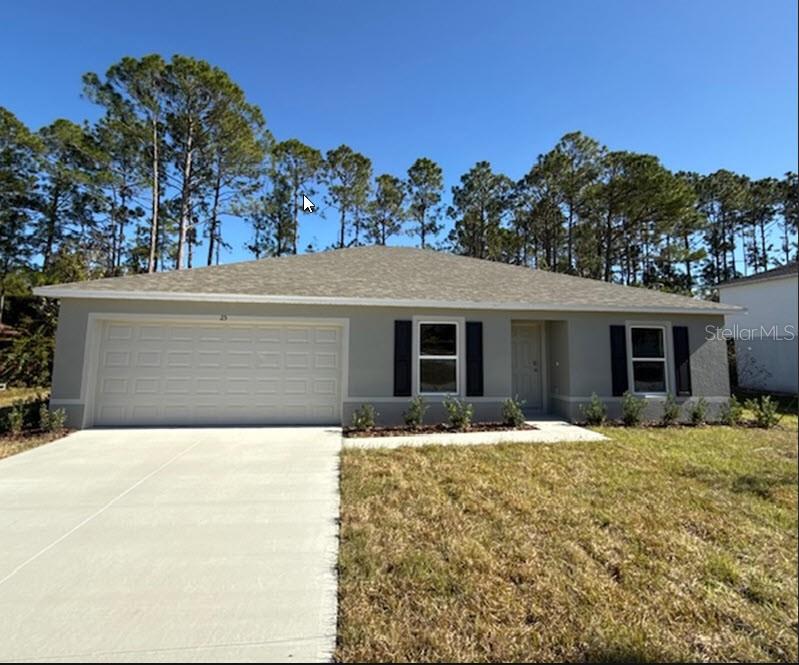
column 438, row 358
column 648, row 359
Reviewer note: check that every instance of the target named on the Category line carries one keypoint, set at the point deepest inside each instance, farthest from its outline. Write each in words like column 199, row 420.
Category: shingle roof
column 386, row 276
column 775, row 273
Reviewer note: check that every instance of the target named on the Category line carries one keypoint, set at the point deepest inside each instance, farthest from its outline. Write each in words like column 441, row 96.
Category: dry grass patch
column 11, row 395
column 657, row 545
column 13, row 445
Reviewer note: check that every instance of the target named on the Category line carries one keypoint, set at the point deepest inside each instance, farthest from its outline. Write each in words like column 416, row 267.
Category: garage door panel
column 150, row 373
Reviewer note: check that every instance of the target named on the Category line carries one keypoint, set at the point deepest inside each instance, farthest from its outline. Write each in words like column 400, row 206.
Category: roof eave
column 757, row 280
column 56, row 292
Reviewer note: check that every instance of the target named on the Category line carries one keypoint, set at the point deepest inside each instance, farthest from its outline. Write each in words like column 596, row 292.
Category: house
column 310, row 338
column 766, row 343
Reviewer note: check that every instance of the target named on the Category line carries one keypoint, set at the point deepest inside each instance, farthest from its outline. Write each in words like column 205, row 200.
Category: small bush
column 595, row 412
column 732, row 412
column 699, row 412
column 765, row 411
column 415, row 413
column 51, row 421
column 364, row 418
column 632, row 409
column 512, row 414
column 460, row 413
column 671, row 411
column 15, row 420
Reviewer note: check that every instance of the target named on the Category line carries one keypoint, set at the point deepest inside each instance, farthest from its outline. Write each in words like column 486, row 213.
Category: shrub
column 51, row 421
column 364, row 418
column 595, row 412
column 699, row 412
column 632, row 409
column 512, row 413
column 671, row 411
column 460, row 413
column 732, row 412
column 415, row 413
column 15, row 420
column 765, row 411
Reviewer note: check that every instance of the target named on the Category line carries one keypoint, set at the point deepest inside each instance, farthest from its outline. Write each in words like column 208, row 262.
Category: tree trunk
column 342, row 226
column 152, row 264
column 295, row 232
column 185, row 196
column 570, row 238
column 608, row 246
column 121, row 239
column 764, row 256
column 687, row 243
column 52, row 224
column 214, row 238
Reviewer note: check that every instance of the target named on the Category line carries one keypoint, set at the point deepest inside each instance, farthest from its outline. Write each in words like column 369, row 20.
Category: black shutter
column 474, row 358
column 682, row 361
column 402, row 358
column 618, row 359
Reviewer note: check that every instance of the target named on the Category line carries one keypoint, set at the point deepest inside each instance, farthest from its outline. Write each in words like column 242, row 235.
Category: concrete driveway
column 171, row 545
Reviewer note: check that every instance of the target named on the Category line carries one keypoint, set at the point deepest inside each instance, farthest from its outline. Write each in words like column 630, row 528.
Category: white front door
column 200, row 373
column 526, row 363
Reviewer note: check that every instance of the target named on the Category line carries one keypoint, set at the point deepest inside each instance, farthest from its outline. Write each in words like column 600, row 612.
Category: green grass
column 657, row 545
column 11, row 395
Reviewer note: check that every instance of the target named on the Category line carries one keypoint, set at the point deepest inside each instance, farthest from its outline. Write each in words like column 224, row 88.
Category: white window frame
column 419, row 357
column 664, row 329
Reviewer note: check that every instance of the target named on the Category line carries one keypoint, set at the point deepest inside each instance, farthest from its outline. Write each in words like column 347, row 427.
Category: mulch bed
column 30, row 439
column 349, row 432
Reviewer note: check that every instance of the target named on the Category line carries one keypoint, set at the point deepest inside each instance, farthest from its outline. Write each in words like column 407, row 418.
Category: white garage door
column 154, row 373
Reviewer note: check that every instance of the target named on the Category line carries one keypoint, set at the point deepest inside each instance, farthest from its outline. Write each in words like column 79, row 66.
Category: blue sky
column 704, row 85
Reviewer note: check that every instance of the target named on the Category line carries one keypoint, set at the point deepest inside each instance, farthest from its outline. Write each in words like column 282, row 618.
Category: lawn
column 660, row 544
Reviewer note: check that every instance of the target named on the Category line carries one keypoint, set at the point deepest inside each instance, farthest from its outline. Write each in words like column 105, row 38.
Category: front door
column 526, row 359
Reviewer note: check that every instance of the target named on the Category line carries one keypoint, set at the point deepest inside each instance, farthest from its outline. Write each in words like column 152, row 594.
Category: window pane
column 437, row 339
column 649, row 376
column 437, row 376
column 647, row 342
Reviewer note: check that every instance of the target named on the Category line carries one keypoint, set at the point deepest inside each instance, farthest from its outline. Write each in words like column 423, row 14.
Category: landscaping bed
column 433, row 429
column 11, row 445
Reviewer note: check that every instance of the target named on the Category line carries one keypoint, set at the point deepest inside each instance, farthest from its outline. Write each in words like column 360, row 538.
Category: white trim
column 460, row 344
column 80, row 294
column 649, row 397
column 665, row 328
column 432, row 398
column 95, row 320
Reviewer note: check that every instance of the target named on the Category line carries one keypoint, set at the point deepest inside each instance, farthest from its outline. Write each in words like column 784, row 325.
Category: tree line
column 178, row 150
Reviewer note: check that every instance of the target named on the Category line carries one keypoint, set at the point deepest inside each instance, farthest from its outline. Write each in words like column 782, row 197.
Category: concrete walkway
column 547, row 431
column 171, row 545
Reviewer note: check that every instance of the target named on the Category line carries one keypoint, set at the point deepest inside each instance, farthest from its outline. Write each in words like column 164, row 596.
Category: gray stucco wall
column 590, row 370
column 577, row 351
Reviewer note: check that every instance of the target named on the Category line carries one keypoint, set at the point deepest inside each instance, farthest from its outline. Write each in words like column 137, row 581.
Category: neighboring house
column 310, row 338
column 766, row 343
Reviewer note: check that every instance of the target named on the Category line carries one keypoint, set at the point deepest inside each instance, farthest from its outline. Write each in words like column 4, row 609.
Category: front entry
column 526, row 364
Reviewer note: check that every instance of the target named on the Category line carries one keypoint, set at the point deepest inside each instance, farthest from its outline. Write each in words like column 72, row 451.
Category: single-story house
column 308, row 339
column 766, row 333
